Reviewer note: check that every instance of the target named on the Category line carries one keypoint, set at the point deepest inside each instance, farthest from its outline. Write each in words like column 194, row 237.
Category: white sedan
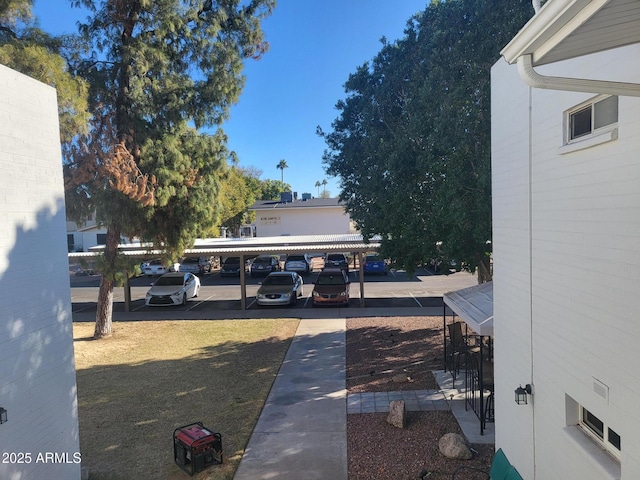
column 157, row 267
column 173, row 289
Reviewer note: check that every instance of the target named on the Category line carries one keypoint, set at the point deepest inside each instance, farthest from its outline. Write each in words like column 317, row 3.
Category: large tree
column 282, row 164
column 29, row 50
column 271, row 189
column 411, row 145
column 160, row 71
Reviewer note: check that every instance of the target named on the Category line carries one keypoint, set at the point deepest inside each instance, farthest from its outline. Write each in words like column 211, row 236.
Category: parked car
column 173, row 289
column 265, row 264
column 374, row 264
column 298, row 263
column 338, row 260
column 158, row 267
column 331, row 288
column 230, row 267
column 198, row 265
column 280, row 288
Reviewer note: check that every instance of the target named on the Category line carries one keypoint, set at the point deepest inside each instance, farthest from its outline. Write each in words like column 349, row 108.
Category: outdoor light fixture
column 521, row 394
column 3, row 415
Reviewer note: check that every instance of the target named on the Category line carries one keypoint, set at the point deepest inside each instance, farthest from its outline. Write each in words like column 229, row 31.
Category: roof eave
column 555, row 21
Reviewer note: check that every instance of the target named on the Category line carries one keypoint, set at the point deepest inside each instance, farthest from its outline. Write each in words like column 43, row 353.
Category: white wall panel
column 584, row 258
column 37, row 374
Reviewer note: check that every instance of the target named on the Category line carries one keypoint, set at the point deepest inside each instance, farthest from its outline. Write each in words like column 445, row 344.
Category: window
column 597, row 115
column 600, row 432
column 101, row 238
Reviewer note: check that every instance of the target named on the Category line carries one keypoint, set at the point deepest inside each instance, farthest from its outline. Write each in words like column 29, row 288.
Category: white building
column 566, row 241
column 37, row 370
column 314, row 216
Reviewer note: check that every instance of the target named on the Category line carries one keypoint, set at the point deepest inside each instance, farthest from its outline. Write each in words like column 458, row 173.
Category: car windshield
column 278, row 280
column 155, row 262
column 265, row 260
column 330, row 280
column 231, row 260
column 373, row 258
column 336, row 258
column 190, row 260
column 165, row 281
column 295, row 258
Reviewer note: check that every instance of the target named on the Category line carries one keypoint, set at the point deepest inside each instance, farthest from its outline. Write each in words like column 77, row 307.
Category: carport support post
column 243, row 285
column 127, row 293
column 361, row 277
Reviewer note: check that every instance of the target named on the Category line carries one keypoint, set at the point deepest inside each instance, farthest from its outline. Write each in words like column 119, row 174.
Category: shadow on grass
column 129, row 409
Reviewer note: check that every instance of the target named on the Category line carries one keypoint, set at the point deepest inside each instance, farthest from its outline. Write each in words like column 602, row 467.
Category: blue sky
column 315, row 45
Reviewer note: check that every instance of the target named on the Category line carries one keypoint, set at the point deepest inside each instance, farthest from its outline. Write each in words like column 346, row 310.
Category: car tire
column 184, row 298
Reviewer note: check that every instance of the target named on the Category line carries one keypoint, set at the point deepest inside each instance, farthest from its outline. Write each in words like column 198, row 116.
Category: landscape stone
column 397, row 413
column 454, row 445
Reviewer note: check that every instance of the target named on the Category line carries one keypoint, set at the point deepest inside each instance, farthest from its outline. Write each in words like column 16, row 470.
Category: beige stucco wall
column 302, row 221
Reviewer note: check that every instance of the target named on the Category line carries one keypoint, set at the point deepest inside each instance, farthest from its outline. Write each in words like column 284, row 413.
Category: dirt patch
column 378, row 349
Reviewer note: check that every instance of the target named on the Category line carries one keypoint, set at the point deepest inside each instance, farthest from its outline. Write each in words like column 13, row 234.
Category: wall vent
column 601, row 389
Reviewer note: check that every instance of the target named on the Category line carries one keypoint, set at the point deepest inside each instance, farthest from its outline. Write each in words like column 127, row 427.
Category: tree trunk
column 104, row 312
column 484, row 270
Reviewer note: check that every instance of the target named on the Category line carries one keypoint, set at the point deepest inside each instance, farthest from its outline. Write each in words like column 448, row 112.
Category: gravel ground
column 381, row 351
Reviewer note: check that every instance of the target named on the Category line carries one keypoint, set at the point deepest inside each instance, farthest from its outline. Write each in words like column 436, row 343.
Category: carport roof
column 475, row 306
column 256, row 245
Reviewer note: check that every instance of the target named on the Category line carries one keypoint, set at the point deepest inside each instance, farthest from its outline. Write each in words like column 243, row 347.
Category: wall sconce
column 3, row 415
column 521, row 394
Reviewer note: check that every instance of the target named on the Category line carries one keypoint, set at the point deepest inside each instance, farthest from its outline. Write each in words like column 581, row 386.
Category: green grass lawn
column 149, row 378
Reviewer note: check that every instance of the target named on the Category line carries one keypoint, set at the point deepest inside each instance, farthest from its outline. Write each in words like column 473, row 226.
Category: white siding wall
column 37, row 372
column 585, row 273
column 302, row 221
column 511, row 244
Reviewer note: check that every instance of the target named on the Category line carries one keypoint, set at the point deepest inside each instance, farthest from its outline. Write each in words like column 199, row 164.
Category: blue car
column 374, row 264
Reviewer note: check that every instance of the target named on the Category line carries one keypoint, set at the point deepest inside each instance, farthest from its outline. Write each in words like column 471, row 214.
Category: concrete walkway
column 302, row 431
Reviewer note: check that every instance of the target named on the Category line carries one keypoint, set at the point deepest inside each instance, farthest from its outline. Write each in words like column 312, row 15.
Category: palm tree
column 318, row 185
column 324, row 186
column 282, row 164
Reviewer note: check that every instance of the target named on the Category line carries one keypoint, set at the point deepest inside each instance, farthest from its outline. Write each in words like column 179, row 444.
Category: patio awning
column 474, row 305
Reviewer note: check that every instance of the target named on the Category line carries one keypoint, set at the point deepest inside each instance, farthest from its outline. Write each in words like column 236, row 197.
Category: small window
column 600, row 432
column 592, row 117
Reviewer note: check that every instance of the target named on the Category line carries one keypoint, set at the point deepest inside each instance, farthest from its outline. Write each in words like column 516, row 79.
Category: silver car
column 173, row 289
column 298, row 263
column 280, row 288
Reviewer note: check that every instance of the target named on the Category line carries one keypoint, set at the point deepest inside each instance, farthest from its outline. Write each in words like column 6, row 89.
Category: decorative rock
column 453, row 445
column 397, row 413
column 399, row 378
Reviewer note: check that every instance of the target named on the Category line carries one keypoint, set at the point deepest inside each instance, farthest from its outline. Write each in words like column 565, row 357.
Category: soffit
column 565, row 29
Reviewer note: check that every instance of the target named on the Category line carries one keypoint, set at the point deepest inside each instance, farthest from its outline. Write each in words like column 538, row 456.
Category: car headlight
column 286, row 295
column 261, row 295
column 343, row 294
column 316, row 294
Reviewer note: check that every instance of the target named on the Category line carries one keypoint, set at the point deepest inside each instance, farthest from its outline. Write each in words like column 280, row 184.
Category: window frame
column 591, row 106
column 602, row 440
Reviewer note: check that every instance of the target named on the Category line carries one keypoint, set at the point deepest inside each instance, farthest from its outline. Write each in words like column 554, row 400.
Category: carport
column 474, row 305
column 247, row 248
